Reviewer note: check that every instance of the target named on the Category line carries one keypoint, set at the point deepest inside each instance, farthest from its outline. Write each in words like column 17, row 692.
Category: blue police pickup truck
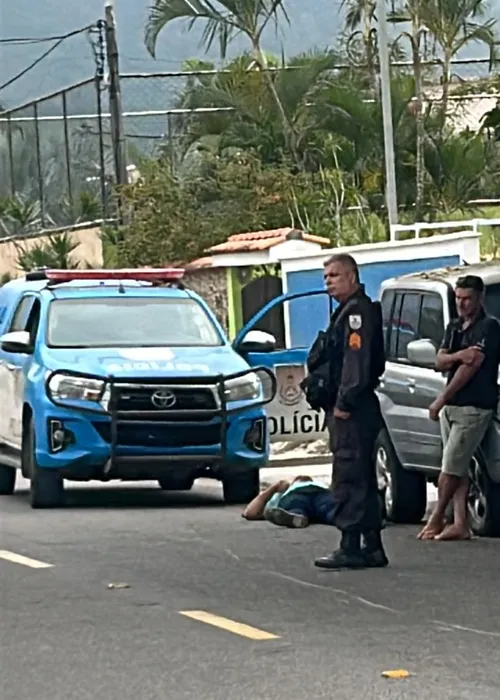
column 125, row 374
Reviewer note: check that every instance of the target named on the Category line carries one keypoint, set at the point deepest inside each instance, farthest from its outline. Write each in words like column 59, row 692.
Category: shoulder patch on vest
column 355, row 341
column 355, row 322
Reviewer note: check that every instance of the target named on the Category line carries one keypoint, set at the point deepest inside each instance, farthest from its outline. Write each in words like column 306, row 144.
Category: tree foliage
column 296, row 142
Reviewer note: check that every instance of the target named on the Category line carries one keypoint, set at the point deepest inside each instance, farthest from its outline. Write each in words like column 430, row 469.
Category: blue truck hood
column 147, row 362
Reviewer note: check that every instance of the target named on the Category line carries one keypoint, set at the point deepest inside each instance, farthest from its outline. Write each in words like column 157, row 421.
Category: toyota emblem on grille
column 163, row 398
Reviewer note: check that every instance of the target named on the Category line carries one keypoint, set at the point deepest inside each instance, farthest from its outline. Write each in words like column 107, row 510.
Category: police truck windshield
column 129, row 322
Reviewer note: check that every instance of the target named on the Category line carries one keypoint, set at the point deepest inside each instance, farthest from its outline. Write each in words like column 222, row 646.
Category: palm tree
column 54, row 251
column 412, row 12
column 250, row 121
column 359, row 20
column 357, row 125
column 460, row 167
column 453, row 25
column 223, row 22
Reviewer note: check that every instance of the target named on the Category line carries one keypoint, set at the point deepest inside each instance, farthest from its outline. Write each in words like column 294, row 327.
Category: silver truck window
column 130, row 322
column 492, row 300
column 387, row 302
column 431, row 325
column 408, row 323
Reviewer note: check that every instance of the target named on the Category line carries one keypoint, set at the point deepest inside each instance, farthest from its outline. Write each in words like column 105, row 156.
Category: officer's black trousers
column 354, row 486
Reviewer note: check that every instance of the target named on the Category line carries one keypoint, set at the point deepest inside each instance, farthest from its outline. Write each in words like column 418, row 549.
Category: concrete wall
column 211, row 284
column 89, row 249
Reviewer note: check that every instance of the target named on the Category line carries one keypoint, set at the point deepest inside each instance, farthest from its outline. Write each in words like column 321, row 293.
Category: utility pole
column 115, row 98
column 385, row 89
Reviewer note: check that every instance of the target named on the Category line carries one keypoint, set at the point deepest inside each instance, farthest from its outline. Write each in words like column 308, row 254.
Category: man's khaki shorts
column 462, row 429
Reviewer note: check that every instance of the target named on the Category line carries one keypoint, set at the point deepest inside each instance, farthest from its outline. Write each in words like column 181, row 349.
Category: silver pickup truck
column 416, row 309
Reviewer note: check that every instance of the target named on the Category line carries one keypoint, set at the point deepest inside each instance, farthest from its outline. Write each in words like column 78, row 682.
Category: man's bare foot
column 432, row 529
column 454, row 533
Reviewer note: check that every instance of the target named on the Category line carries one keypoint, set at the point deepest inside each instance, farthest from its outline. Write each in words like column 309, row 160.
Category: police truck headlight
column 65, row 387
column 245, row 388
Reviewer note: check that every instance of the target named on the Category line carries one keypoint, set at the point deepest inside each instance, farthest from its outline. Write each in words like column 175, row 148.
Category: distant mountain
column 314, row 23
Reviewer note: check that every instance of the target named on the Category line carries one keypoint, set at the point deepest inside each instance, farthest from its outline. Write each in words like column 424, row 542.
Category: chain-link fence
column 55, row 159
column 56, row 153
column 158, row 109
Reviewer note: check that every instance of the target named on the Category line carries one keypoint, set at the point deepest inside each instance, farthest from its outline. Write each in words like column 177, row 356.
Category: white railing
column 469, row 225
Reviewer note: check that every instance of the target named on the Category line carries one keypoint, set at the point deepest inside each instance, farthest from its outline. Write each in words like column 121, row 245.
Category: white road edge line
column 24, row 561
column 369, row 603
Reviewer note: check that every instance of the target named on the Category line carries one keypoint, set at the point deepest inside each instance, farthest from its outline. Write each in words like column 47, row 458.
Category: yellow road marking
column 24, row 561
column 229, row 625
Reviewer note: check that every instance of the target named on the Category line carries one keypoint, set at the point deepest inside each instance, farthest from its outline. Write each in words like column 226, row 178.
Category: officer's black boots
column 348, row 556
column 373, row 550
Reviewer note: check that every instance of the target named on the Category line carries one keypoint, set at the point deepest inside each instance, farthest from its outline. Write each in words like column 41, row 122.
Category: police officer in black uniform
column 356, row 360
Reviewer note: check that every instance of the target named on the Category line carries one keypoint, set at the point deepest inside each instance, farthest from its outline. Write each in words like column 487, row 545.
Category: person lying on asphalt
column 470, row 354
column 299, row 504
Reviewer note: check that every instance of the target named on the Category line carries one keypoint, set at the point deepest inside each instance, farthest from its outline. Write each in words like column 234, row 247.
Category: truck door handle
column 410, row 384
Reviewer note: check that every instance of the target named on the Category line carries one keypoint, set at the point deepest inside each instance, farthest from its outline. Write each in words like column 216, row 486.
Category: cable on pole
column 41, row 58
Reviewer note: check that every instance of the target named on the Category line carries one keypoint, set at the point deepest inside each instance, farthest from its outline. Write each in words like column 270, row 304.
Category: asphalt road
column 65, row 635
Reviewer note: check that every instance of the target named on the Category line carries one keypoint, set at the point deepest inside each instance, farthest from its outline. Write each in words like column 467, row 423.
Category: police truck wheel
column 240, row 489
column 176, row 483
column 405, row 492
column 7, row 480
column 46, row 485
column 483, row 501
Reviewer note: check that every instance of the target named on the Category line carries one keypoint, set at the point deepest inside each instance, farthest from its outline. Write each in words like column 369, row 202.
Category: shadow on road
column 131, row 497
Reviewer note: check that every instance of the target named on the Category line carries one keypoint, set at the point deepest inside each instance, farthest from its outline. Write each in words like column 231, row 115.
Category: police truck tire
column 240, row 489
column 483, row 500
column 176, row 483
column 7, row 480
column 405, row 491
column 46, row 485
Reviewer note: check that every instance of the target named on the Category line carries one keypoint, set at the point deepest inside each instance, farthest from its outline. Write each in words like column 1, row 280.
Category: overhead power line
column 42, row 39
column 32, row 65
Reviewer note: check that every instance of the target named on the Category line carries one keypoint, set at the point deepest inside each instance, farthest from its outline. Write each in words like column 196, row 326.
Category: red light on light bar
column 168, row 274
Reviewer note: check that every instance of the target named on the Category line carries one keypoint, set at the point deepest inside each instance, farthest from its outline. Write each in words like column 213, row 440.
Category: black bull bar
column 170, row 417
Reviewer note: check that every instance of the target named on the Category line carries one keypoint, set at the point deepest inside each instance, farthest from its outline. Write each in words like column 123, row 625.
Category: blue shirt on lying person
column 303, row 502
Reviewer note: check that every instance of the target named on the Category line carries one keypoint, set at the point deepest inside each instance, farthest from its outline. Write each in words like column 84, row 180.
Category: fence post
column 11, row 156
column 67, row 151
column 115, row 100
column 41, row 184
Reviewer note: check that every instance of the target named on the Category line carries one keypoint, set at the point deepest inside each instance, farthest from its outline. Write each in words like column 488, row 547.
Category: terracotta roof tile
column 263, row 240
column 199, row 264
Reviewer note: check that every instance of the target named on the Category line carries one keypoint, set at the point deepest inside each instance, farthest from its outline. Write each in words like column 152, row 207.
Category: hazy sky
column 316, row 26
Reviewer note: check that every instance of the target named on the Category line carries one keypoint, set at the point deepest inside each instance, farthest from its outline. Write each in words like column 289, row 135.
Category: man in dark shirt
column 355, row 348
column 470, row 354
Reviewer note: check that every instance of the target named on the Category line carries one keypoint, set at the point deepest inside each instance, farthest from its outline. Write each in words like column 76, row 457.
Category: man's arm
column 462, row 376
column 447, row 360
column 356, row 367
column 487, row 345
column 255, row 509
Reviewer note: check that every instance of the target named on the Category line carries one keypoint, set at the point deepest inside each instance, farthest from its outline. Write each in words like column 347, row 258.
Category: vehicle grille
column 158, row 435
column 186, row 398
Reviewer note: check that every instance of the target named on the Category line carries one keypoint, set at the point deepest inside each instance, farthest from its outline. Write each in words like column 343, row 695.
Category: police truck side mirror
column 422, row 353
column 17, row 342
column 257, row 341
